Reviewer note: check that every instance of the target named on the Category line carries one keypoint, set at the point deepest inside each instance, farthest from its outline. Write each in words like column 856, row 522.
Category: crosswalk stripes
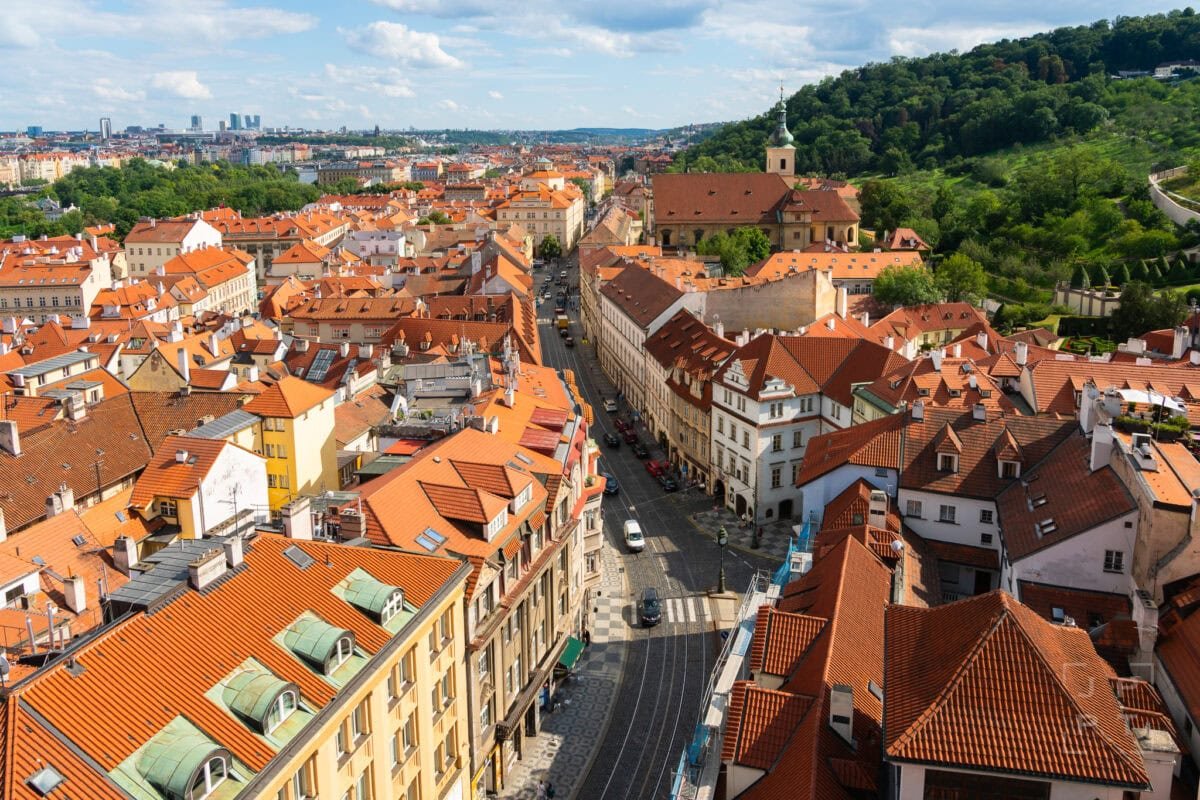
column 684, row 609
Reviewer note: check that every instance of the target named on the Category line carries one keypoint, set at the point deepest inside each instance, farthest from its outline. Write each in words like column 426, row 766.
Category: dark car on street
column 611, row 440
column 667, row 483
column 639, row 450
column 621, row 424
column 569, row 341
column 610, row 483
column 630, row 436
column 650, row 608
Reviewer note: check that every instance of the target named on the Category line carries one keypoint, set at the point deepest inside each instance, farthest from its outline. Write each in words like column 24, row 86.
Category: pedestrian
column 587, row 637
column 541, row 790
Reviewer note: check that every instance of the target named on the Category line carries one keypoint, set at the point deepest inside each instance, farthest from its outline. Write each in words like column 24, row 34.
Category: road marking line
column 691, row 610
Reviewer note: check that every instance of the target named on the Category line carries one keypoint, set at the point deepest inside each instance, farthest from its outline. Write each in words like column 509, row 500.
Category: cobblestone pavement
column 775, row 535
column 570, row 737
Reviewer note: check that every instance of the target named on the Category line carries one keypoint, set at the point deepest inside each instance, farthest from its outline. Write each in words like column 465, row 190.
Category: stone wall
column 1178, row 214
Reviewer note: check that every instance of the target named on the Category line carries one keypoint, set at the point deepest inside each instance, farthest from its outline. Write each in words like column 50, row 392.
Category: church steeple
column 781, row 152
column 782, row 136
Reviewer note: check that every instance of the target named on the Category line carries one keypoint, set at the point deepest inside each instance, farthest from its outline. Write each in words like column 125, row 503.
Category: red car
column 630, row 436
column 621, row 425
column 657, row 468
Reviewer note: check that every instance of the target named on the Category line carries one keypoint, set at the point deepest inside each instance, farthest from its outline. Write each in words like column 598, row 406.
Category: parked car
column 667, row 483
column 657, row 468
column 610, row 405
column 630, row 436
column 639, row 450
column 569, row 341
column 621, row 424
column 610, row 483
column 633, row 536
column 564, row 333
column 611, row 439
column 650, row 610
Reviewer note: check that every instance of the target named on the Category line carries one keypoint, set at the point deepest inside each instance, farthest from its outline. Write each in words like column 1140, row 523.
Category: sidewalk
column 566, row 747
column 775, row 535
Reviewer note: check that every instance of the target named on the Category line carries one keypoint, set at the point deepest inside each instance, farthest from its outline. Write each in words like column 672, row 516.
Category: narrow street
column 666, row 666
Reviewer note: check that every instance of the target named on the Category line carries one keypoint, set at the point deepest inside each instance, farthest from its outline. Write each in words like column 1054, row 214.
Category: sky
column 490, row 64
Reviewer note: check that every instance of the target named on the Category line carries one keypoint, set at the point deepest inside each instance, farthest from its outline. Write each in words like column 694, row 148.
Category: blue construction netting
column 695, row 749
column 800, row 543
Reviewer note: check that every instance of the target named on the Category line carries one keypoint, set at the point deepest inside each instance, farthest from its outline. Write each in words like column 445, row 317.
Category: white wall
column 912, row 787
column 813, row 496
column 967, row 528
column 1175, row 705
column 1078, row 562
column 234, row 468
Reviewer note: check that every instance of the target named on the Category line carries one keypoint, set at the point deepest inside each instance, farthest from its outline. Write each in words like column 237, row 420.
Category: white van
column 633, row 536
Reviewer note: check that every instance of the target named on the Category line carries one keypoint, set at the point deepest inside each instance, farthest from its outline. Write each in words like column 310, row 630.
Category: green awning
column 571, row 653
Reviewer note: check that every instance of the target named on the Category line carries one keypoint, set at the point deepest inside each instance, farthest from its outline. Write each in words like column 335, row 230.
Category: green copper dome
column 782, row 136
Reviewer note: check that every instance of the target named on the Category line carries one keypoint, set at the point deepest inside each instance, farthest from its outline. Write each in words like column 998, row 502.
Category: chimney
column 979, row 412
column 301, row 345
column 1194, row 357
column 252, row 373
column 1179, row 344
column 866, row 319
column 841, row 302
column 877, row 508
column 213, row 346
column 889, row 342
column 181, row 456
column 61, row 501
column 75, row 593
column 981, row 339
column 125, row 555
column 937, row 355
column 3, row 527
column 297, row 519
column 1145, row 617
column 366, row 351
column 205, row 569
column 957, row 350
column 1102, row 442
column 10, row 437
column 829, row 323
column 510, row 396
column 344, row 349
column 185, row 364
column 918, row 410
column 719, row 329
column 841, row 712
column 351, row 524
column 234, row 554
column 1022, row 352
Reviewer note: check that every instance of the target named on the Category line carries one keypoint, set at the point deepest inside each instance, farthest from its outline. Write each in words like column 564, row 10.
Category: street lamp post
column 722, row 540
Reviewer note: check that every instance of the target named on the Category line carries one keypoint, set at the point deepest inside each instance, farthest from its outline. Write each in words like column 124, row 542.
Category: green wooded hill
column 926, row 112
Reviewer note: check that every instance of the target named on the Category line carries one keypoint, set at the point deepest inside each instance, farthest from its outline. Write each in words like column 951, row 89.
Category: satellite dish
column 5, row 667
column 897, row 546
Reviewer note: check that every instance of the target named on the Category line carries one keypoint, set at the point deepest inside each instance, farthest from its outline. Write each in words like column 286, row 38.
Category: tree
column 1142, row 310
column 1122, row 277
column 434, row 218
column 906, row 286
column 745, row 246
column 961, row 279
column 1079, row 278
column 550, row 248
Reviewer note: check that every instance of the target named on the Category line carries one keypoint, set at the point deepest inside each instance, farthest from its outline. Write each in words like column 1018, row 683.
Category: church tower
column 781, row 153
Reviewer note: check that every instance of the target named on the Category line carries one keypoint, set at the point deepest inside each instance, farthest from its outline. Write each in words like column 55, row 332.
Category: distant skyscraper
column 222, row 125
column 197, row 123
column 105, row 129
column 254, row 122
column 235, row 122
column 33, row 130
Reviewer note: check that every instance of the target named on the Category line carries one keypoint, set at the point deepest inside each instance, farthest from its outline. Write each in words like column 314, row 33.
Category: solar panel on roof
column 298, row 557
column 320, row 365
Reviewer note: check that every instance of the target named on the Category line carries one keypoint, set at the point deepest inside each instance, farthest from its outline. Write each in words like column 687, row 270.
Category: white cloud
column 495, row 95
column 388, row 81
column 15, row 33
column 105, row 89
column 398, row 42
column 181, row 83
column 449, row 105
column 912, row 41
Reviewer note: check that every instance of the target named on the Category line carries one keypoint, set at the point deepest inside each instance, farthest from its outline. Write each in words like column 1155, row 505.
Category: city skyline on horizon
column 431, row 64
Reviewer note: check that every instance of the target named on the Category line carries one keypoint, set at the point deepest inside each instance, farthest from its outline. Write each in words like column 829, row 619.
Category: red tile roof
column 760, row 722
column 875, row 443
column 961, row 682
column 289, row 398
column 1086, row 607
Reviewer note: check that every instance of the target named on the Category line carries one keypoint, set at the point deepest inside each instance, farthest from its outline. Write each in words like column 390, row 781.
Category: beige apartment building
column 152, row 243
column 543, row 211
column 46, row 277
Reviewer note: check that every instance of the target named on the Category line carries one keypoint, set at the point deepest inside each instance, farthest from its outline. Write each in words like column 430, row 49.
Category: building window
column 168, row 507
column 720, row 425
column 985, row 516
column 947, row 513
column 213, row 774
column 776, row 442
column 1010, row 469
column 776, row 410
column 746, row 439
column 283, row 707
column 985, row 538
column 360, row 722
column 797, row 438
column 912, row 508
column 776, row 477
column 485, row 715
column 1114, row 561
column 947, row 462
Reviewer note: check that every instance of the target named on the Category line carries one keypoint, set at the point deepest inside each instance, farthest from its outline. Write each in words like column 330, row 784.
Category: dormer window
column 947, row 462
column 497, row 523
column 1010, row 469
column 523, row 497
column 320, row 644
column 286, row 703
column 260, row 699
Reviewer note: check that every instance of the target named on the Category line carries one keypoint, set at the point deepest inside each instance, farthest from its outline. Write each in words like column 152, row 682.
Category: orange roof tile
column 288, row 398
column 167, row 476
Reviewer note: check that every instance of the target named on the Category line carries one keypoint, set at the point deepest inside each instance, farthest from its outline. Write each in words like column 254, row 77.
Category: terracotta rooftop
column 289, row 398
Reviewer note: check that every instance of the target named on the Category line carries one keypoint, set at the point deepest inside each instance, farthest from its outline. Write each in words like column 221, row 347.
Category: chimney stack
column 1179, row 343
column 252, row 373
column 75, row 593
column 981, row 339
column 207, row 568
column 10, row 437
column 184, row 360
column 937, row 354
column 61, row 501
column 979, row 412
column 344, row 349
column 351, row 525
column 234, row 551
column 957, row 350
column 1022, row 353
column 1145, row 618
column 842, row 302
column 918, row 410
column 3, row 527
column 297, row 519
column 1102, row 442
column 841, row 712
column 877, row 509
column 125, row 555
column 889, row 342
column 719, row 329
